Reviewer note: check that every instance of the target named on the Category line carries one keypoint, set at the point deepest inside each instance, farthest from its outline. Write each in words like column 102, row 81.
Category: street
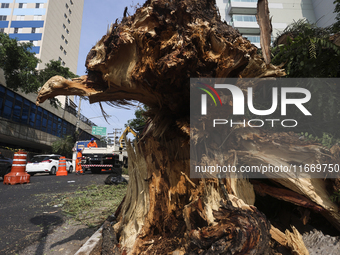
column 25, row 214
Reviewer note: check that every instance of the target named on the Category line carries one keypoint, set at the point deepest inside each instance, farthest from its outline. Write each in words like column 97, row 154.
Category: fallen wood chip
column 188, row 179
column 278, row 236
column 295, row 242
column 50, row 212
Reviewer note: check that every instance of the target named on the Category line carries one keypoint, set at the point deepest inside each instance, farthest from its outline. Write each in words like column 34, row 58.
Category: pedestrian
column 92, row 144
column 79, row 169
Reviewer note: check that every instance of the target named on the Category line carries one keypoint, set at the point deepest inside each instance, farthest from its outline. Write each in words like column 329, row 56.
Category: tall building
column 53, row 26
column 241, row 14
column 324, row 12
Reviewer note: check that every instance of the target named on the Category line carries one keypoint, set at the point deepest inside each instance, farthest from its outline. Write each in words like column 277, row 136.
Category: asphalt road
column 25, row 216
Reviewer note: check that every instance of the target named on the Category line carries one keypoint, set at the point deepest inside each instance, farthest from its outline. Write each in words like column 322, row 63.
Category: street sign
column 99, row 130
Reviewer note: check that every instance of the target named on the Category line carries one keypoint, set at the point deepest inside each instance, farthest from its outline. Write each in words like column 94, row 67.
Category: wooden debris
column 295, row 242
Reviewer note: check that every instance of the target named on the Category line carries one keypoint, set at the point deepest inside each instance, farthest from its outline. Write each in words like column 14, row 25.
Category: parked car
column 46, row 164
column 5, row 165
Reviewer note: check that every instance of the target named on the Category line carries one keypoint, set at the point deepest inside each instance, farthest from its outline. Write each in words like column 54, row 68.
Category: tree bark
column 149, row 57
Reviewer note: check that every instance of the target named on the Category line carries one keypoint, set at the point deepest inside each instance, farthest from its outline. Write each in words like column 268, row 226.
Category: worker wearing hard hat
column 79, row 169
column 92, row 144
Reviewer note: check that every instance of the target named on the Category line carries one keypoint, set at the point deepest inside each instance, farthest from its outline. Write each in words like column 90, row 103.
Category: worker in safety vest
column 79, row 169
column 92, row 144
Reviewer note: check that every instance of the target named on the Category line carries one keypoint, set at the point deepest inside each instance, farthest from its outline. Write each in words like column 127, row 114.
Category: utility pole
column 116, row 131
column 78, row 117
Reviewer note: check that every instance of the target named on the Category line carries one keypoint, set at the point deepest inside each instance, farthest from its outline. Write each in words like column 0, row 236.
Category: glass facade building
column 16, row 108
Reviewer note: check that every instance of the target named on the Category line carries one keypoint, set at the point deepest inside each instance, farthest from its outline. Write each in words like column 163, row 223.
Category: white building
column 53, row 26
column 241, row 14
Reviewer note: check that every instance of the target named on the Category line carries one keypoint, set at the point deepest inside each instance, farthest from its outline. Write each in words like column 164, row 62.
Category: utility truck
column 110, row 157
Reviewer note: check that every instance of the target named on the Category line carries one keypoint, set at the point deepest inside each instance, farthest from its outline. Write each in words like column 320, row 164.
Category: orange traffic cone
column 62, row 167
column 18, row 174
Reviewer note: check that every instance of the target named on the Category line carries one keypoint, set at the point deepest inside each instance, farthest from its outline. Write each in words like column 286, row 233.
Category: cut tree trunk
column 149, row 57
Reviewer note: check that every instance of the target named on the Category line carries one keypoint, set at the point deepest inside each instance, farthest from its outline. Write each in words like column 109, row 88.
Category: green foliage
column 18, row 63
column 325, row 120
column 104, row 141
column 307, row 52
column 64, row 146
column 335, row 197
column 54, row 68
column 327, row 140
column 92, row 205
column 140, row 118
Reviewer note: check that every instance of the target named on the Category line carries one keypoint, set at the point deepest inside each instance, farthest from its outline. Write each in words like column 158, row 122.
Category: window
column 63, row 63
column 20, row 17
column 68, row 20
column 69, row 11
column 71, row 1
column 253, row 38
column 49, row 123
column 7, row 112
column 4, row 5
column 66, row 5
column 38, row 118
column 62, row 37
column 3, row 17
column 67, row 31
column 61, row 47
column 44, row 121
column 37, row 17
column 59, row 128
column 54, row 125
column 22, row 5
column 17, row 108
column 64, row 26
column 33, row 30
column 32, row 115
column 59, row 59
column 65, row 15
column 16, row 30
column 2, row 30
column 64, row 127
column 244, row 18
column 66, row 41
column 65, row 52
column 25, row 112
column 2, row 96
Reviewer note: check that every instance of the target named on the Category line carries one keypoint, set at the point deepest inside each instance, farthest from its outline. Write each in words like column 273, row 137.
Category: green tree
column 19, row 63
column 140, row 118
column 63, row 146
column 54, row 68
column 307, row 51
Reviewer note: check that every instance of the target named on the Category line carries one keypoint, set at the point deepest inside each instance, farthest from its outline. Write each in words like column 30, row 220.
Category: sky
column 97, row 15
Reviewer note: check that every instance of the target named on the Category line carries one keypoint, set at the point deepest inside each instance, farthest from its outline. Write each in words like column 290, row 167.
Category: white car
column 46, row 164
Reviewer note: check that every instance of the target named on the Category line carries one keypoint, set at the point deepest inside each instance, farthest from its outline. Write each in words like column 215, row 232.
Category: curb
column 91, row 243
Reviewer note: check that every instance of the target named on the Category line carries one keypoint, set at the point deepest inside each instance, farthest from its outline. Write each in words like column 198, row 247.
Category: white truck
column 111, row 157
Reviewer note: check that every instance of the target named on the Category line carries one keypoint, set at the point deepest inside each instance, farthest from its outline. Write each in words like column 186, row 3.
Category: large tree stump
column 149, row 57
